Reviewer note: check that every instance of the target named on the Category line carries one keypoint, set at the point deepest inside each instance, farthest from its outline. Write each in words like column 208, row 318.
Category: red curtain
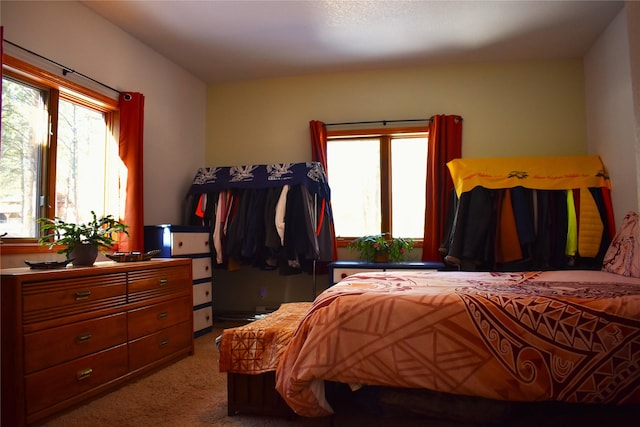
column 318, row 132
column 1, row 62
column 131, row 137
column 444, row 145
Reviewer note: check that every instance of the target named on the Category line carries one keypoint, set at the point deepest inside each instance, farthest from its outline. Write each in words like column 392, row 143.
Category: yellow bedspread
column 255, row 348
column 510, row 336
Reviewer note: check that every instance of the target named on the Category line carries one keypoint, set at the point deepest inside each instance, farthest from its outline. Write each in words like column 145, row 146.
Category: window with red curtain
column 70, row 168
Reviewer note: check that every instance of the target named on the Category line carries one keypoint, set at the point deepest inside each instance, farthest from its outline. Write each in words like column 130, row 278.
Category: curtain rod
column 65, row 70
column 384, row 122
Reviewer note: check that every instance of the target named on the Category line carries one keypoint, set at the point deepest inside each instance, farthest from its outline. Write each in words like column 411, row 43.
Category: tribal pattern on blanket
column 506, row 336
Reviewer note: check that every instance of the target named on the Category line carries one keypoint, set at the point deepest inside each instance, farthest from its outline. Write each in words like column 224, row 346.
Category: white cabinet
column 182, row 241
column 338, row 270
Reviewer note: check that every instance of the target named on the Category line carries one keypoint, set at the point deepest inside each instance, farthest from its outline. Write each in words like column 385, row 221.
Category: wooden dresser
column 70, row 334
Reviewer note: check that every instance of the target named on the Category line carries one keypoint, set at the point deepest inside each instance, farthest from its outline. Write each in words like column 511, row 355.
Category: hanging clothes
column 265, row 215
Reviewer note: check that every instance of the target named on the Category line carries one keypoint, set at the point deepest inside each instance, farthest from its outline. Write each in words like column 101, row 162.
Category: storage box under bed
column 249, row 354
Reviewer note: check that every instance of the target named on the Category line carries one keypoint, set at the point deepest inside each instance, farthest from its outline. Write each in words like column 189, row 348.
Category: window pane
column 354, row 179
column 85, row 176
column 24, row 125
column 408, row 177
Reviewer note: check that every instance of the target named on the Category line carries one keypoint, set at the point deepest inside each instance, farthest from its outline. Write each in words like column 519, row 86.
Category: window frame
column 385, row 135
column 58, row 88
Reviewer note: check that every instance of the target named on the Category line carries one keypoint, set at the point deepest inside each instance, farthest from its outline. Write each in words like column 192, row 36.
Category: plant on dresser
column 80, row 242
column 71, row 334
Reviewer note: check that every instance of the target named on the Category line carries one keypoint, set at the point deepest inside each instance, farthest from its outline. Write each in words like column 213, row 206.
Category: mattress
column 570, row 336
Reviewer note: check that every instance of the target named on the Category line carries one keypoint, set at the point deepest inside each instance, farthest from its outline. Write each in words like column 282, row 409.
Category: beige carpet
column 192, row 392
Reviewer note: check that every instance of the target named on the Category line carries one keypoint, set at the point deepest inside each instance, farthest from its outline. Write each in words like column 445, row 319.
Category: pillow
column 623, row 255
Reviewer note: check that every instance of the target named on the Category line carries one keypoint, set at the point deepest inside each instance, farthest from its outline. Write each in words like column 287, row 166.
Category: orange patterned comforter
column 570, row 336
column 255, row 348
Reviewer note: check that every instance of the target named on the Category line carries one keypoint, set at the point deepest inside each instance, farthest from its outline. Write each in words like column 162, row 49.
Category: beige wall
column 611, row 125
column 175, row 101
column 509, row 109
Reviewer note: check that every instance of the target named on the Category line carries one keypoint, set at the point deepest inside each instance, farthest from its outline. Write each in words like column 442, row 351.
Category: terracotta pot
column 381, row 256
column 83, row 255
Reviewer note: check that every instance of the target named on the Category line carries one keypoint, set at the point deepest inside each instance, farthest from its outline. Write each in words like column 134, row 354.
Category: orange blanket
column 510, row 336
column 255, row 348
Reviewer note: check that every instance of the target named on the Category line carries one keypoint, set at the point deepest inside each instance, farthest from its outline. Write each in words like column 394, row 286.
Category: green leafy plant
column 372, row 245
column 99, row 232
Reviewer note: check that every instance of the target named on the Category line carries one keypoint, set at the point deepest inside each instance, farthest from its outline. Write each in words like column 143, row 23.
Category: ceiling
column 225, row 41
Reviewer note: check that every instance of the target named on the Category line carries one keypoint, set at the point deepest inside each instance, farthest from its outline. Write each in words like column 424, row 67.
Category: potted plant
column 380, row 248
column 81, row 241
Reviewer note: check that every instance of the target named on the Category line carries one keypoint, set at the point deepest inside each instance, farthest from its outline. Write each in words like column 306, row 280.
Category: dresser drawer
column 202, row 293
column 201, row 268
column 53, row 385
column 202, row 318
column 157, row 345
column 155, row 317
column 156, row 282
column 189, row 243
column 56, row 345
column 44, row 300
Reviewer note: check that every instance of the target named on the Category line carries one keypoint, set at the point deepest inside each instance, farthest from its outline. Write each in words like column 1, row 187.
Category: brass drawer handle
column 81, row 295
column 164, row 342
column 163, row 315
column 163, row 281
column 84, row 374
column 83, row 338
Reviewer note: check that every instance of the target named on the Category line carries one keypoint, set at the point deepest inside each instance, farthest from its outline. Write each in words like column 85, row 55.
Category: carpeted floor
column 192, row 392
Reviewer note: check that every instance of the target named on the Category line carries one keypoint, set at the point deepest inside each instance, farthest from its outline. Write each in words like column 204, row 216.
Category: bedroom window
column 377, row 182
column 58, row 157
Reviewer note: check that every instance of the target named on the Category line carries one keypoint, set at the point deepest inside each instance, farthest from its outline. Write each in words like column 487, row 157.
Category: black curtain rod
column 65, row 70
column 384, row 122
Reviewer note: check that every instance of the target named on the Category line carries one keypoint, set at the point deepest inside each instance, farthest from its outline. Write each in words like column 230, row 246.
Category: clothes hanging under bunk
column 524, row 213
column 269, row 216
column 518, row 228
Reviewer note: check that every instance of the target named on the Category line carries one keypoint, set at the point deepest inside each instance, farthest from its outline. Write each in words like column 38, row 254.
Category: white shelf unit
column 185, row 241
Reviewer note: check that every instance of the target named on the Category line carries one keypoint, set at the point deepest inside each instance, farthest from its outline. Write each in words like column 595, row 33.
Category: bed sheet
column 255, row 348
column 535, row 336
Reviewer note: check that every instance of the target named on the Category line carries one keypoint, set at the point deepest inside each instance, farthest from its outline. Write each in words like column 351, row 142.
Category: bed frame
column 249, row 354
column 255, row 395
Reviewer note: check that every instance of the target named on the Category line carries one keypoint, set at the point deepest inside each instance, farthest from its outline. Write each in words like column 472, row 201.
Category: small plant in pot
column 380, row 248
column 81, row 241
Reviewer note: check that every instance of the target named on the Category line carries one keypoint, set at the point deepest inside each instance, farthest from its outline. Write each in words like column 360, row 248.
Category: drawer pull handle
column 206, row 243
column 81, row 295
column 83, row 338
column 163, row 281
column 163, row 315
column 164, row 342
column 84, row 374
